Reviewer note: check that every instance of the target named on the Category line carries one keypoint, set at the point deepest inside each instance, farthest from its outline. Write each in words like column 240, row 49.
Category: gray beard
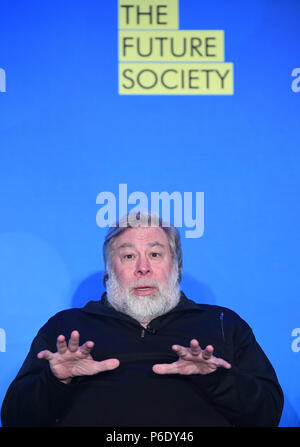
column 143, row 308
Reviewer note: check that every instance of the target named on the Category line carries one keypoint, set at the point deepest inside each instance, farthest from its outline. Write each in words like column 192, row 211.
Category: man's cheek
column 124, row 278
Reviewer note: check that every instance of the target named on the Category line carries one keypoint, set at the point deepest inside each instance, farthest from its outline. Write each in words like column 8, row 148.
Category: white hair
column 143, row 308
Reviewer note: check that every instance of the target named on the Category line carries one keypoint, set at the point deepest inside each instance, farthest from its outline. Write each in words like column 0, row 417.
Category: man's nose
column 143, row 267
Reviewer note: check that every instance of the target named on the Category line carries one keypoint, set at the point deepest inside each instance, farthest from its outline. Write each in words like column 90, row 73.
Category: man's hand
column 192, row 360
column 73, row 360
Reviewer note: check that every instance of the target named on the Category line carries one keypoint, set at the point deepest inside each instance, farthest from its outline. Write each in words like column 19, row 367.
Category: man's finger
column 47, row 355
column 223, row 364
column 195, row 347
column 165, row 368
column 181, row 351
column 107, row 365
column 208, row 352
column 87, row 347
column 74, row 341
column 61, row 344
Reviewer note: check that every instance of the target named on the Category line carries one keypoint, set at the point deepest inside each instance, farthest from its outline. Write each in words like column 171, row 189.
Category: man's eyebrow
column 154, row 243
column 126, row 244
column 151, row 244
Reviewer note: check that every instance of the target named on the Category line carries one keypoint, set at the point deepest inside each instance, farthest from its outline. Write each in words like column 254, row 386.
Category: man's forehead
column 142, row 235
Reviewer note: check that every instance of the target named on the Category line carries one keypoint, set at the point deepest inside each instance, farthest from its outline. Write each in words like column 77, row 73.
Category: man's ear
column 105, row 278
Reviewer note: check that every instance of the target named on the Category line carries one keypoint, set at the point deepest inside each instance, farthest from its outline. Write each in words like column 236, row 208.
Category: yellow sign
column 155, row 58
column 176, row 79
column 145, row 14
column 171, row 46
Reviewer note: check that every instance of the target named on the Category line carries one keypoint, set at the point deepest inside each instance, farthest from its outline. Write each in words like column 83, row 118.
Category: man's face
column 142, row 278
column 142, row 255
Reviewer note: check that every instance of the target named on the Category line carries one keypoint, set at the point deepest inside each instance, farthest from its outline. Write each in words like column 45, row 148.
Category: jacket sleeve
column 35, row 397
column 248, row 394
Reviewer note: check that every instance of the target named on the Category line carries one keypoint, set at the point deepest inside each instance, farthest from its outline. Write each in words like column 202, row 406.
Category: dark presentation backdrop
column 196, row 106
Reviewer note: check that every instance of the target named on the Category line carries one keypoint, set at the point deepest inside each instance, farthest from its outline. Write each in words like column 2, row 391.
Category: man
column 145, row 355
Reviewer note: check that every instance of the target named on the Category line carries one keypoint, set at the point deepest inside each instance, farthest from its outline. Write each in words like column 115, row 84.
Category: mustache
column 144, row 283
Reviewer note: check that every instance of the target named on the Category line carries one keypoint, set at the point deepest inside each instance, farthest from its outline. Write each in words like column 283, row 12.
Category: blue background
column 66, row 135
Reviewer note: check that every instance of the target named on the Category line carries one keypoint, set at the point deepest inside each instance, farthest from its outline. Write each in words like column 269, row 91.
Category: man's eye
column 128, row 256
column 155, row 255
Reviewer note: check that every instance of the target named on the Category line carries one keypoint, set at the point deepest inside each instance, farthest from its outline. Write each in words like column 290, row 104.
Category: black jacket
column 133, row 395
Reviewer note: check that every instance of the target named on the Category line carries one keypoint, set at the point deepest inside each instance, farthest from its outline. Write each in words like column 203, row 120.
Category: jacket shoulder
column 227, row 315
column 66, row 313
column 61, row 319
column 217, row 309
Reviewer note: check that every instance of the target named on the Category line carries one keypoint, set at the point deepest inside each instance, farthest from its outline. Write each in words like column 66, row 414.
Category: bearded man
column 145, row 355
